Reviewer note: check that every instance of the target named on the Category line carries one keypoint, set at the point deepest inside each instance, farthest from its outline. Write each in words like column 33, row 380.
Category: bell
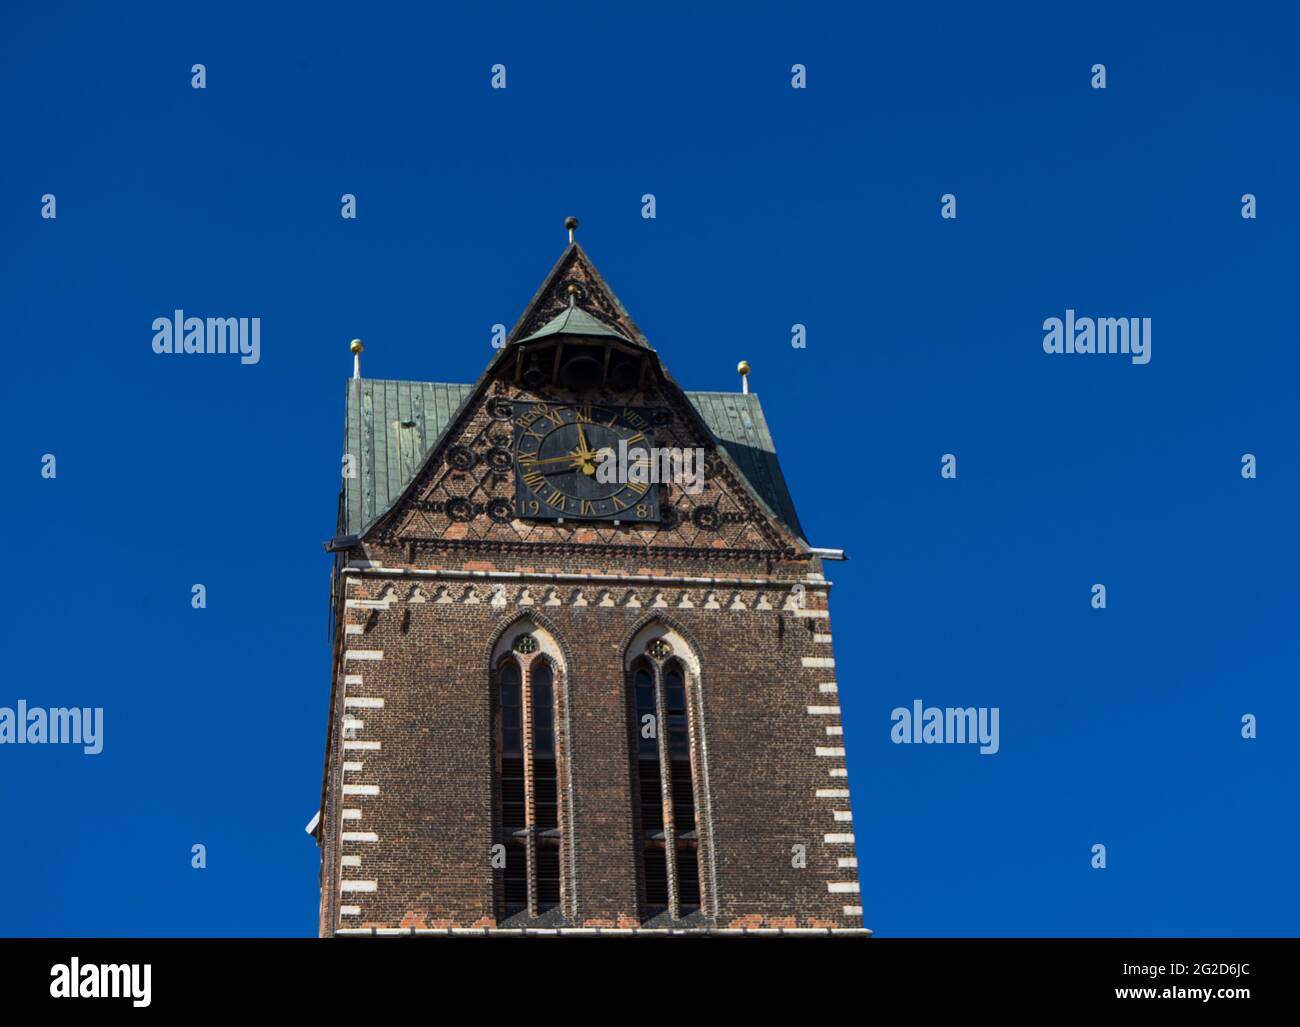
column 581, row 372
column 533, row 375
column 623, row 375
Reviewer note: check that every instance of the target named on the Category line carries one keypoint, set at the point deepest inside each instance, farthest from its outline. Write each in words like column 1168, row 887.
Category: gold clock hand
column 576, row 455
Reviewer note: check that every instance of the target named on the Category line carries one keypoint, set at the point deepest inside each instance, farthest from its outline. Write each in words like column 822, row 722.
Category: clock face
column 561, row 454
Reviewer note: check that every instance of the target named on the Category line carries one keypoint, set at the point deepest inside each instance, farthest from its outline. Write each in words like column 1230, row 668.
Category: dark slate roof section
column 737, row 422
column 392, row 426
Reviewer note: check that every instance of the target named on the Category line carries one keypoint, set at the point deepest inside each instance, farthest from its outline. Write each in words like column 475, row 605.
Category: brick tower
column 565, row 701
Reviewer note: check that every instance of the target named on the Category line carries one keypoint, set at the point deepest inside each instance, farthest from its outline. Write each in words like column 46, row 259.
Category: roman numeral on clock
column 555, row 447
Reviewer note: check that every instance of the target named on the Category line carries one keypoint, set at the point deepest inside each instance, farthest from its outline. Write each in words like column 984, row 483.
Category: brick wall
column 408, row 812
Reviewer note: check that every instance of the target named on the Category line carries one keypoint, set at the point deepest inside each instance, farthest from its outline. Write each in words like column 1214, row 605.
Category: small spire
column 743, row 369
column 571, row 223
column 356, row 348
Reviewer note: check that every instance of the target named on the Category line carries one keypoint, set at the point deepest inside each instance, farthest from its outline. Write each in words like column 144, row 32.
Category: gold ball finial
column 571, row 289
column 571, row 223
column 356, row 346
column 743, row 367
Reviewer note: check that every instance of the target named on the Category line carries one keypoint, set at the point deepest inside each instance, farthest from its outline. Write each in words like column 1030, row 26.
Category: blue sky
column 774, row 206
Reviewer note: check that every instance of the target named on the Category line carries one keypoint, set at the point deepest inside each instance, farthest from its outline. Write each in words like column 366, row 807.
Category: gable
column 574, row 278
column 434, row 461
column 393, row 427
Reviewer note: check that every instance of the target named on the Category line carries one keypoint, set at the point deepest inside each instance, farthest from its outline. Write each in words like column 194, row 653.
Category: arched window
column 527, row 780
column 512, row 788
column 545, row 788
column 650, row 788
column 686, row 837
column 664, row 785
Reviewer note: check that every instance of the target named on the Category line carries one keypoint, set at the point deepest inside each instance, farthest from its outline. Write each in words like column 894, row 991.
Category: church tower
column 581, row 680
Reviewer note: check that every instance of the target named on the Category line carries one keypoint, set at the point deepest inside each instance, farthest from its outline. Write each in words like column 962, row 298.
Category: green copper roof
column 574, row 321
column 391, row 426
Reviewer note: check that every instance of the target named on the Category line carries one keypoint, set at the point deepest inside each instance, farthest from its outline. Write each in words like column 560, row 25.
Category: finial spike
column 743, row 369
column 356, row 348
column 571, row 223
